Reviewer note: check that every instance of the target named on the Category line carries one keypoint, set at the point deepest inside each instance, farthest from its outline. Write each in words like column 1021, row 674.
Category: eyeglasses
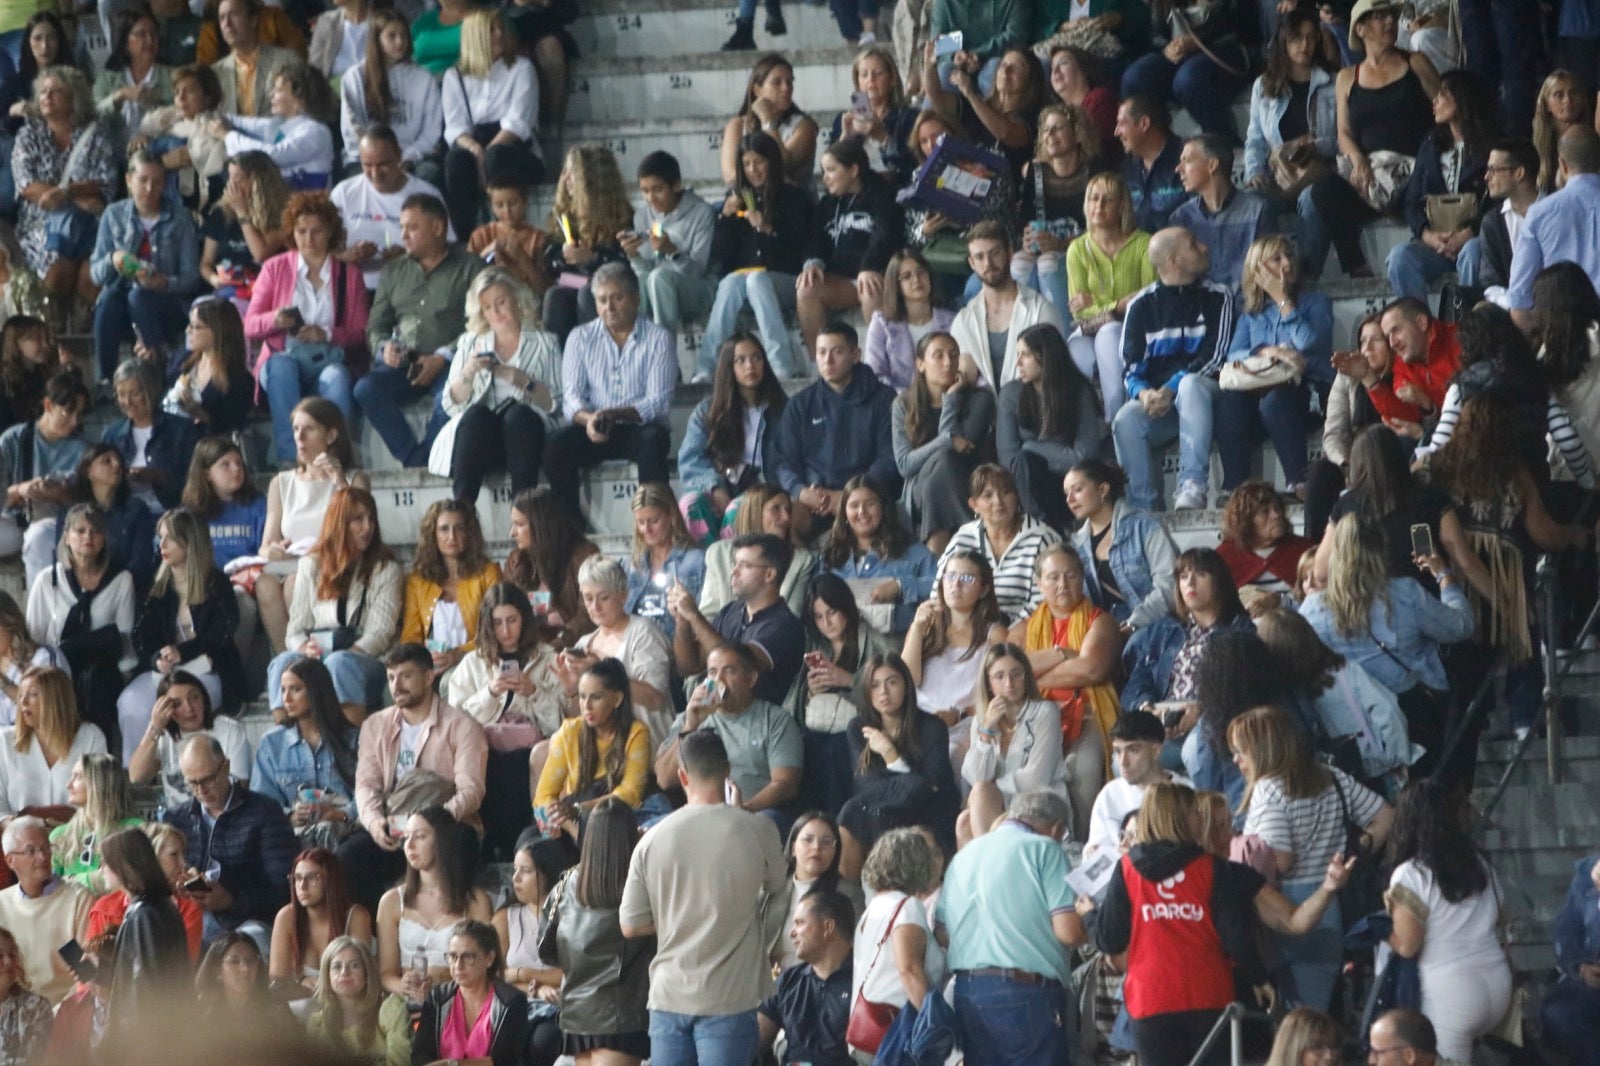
column 960, row 579
column 306, row 879
column 466, row 958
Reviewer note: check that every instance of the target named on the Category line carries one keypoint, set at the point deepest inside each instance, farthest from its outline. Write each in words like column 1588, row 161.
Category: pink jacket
column 274, row 290
column 452, row 745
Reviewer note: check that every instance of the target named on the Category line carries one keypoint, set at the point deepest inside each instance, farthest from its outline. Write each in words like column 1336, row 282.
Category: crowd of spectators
column 906, row 703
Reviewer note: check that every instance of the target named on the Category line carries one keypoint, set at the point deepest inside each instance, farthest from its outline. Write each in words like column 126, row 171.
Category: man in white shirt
column 987, row 328
column 1512, row 176
column 370, row 203
column 1136, row 741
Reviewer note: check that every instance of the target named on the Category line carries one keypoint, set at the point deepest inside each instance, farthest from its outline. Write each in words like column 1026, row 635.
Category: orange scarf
column 1046, row 631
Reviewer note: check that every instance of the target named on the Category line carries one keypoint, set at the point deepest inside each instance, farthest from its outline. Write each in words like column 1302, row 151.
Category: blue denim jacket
column 172, row 441
column 686, row 565
column 914, row 570
column 1576, row 931
column 1143, row 559
column 174, row 246
column 1266, row 112
column 1150, row 655
column 284, row 762
column 1412, row 625
column 695, row 468
column 1308, row 330
column 1213, row 771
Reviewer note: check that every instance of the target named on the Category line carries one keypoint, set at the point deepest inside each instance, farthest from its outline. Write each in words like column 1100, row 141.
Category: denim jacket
column 174, row 246
column 1412, row 625
column 1143, row 559
column 1576, row 931
column 172, row 441
column 695, row 467
column 1151, row 654
column 284, row 762
column 1267, row 111
column 685, row 565
column 914, row 570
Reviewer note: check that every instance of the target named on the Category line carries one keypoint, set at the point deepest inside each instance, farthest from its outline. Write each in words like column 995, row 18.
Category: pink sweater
column 274, row 290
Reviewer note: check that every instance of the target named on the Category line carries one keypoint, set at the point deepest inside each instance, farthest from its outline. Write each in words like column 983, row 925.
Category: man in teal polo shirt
column 1006, row 917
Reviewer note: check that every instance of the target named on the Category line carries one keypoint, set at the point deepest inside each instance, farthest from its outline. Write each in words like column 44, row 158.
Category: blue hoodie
column 826, row 438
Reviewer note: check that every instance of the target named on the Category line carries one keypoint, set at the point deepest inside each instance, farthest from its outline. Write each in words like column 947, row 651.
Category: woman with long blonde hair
column 245, row 227
column 102, row 804
column 664, row 554
column 388, row 87
column 1106, row 267
column 591, row 207
column 1562, row 105
column 187, row 622
column 350, row 1010
column 347, row 605
column 39, row 753
column 491, row 103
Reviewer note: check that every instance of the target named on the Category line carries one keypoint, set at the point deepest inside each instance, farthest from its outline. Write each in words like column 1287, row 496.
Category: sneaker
column 701, row 378
column 1191, row 497
column 865, row 39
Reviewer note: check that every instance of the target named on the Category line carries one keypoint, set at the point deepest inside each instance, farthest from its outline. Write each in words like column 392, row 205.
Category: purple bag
column 958, row 180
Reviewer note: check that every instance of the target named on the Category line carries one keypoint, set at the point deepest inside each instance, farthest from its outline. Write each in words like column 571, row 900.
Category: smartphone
column 509, row 668
column 541, row 815
column 197, row 884
column 1421, row 539
column 72, row 954
column 814, row 659
column 860, row 105
column 948, row 44
column 295, row 317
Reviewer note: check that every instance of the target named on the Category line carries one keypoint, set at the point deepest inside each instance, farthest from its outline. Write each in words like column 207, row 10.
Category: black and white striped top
column 1014, row 585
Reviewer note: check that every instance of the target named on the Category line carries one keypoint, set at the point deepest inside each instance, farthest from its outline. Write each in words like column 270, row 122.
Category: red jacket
column 1283, row 562
column 274, row 290
column 1432, row 375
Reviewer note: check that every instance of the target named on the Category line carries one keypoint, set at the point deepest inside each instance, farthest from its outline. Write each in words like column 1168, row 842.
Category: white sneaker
column 701, row 378
column 1191, row 497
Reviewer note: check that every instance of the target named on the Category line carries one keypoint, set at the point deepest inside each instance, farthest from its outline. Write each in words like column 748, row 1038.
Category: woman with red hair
column 319, row 911
column 1260, row 546
column 346, row 605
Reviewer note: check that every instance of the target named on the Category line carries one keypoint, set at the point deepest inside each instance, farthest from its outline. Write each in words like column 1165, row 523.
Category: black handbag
column 1362, row 894
column 345, row 635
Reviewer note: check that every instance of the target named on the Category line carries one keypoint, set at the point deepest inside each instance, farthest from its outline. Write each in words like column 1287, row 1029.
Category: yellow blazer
column 422, row 594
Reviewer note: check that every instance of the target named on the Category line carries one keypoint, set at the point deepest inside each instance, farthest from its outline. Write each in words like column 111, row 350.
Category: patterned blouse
column 25, row 1021
column 35, row 158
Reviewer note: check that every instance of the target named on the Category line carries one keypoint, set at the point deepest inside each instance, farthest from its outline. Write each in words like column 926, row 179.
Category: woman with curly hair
column 591, row 207
column 244, row 228
column 448, row 579
column 308, row 311
column 65, row 169
column 1260, row 546
column 720, row 456
column 294, row 135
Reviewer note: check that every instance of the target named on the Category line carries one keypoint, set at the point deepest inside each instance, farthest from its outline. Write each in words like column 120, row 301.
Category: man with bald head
column 240, row 843
column 1174, row 339
column 1562, row 227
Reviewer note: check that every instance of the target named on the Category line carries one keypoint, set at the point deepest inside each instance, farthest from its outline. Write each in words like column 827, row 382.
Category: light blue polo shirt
column 999, row 895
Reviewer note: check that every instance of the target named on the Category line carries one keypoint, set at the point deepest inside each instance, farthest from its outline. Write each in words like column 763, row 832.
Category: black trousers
column 1343, row 213
column 464, row 184
column 1324, row 484
column 1172, row 1039
column 569, row 452
column 566, row 309
column 369, row 871
column 507, row 804
column 1039, row 489
column 486, row 440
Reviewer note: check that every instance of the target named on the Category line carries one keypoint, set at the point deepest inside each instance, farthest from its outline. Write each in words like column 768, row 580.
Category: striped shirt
column 1014, row 585
column 1557, row 422
column 1312, row 828
column 596, row 374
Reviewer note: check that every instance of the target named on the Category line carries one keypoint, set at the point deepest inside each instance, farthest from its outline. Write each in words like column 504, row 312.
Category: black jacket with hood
column 858, row 232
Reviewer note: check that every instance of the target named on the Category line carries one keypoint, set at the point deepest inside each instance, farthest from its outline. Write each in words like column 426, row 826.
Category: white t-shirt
column 405, row 760
column 370, row 215
column 1460, row 934
column 141, row 441
column 880, row 980
column 352, row 45
column 1116, row 801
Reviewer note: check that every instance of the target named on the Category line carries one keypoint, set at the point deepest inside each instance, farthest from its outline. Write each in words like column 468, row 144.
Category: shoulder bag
column 1257, row 372
column 869, row 1021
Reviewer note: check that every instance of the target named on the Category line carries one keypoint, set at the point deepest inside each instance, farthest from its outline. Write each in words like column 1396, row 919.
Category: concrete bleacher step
column 711, row 83
column 649, row 28
column 694, row 141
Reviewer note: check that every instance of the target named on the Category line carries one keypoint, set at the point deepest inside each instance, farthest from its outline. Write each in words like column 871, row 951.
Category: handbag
column 344, row 636
column 1451, row 212
column 1362, row 895
column 70, row 232
column 1257, row 372
column 869, row 1021
column 314, row 355
column 1297, row 165
column 1390, row 172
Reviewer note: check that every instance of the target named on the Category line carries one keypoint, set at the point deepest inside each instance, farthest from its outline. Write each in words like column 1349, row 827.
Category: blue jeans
column 381, row 393
column 706, row 1040
column 1010, row 1023
column 849, row 13
column 769, row 295
column 1189, row 423
column 1504, row 45
column 1284, row 414
column 287, row 381
column 1571, row 1016
column 1201, row 87
column 1413, row 266
column 357, row 677
column 158, row 316
column 1314, row 959
column 1312, row 234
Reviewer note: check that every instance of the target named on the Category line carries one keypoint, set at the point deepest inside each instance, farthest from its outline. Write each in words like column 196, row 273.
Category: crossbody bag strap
column 873, row 965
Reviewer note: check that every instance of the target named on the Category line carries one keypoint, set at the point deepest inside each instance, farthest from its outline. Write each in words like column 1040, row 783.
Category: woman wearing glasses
column 473, row 991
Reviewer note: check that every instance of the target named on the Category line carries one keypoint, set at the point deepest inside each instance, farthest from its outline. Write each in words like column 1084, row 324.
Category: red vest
column 1175, row 957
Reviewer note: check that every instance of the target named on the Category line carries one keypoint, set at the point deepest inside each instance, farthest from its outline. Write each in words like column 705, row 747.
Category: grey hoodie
column 688, row 225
